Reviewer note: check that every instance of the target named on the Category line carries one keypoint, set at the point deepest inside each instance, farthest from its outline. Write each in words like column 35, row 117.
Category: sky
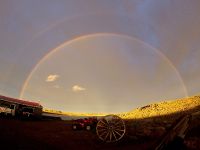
column 99, row 55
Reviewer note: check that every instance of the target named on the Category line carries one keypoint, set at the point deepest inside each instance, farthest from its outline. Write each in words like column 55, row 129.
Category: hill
column 184, row 105
column 58, row 112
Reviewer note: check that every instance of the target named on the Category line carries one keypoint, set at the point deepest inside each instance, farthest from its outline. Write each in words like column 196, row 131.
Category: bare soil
column 55, row 135
column 58, row 135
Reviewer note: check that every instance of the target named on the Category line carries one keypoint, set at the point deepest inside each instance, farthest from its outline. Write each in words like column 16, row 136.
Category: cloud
column 52, row 78
column 77, row 88
column 56, row 86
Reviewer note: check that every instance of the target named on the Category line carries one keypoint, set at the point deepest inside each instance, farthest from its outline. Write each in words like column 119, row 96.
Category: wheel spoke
column 117, row 133
column 101, row 121
column 114, row 135
column 103, row 133
column 119, row 127
column 106, row 136
column 102, row 126
column 110, row 135
column 120, row 130
column 119, row 122
column 102, row 130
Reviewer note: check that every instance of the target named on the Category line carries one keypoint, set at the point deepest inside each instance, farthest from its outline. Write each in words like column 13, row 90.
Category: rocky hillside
column 189, row 105
column 155, row 120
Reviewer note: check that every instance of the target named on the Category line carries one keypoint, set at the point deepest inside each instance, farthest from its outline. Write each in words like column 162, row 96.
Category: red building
column 17, row 107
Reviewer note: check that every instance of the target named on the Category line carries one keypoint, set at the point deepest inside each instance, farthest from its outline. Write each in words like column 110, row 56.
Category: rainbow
column 53, row 51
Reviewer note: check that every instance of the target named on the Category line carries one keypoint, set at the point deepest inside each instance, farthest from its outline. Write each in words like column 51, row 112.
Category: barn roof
column 18, row 101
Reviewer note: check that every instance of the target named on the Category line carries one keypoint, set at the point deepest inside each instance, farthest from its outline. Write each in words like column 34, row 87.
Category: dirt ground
column 55, row 135
column 58, row 135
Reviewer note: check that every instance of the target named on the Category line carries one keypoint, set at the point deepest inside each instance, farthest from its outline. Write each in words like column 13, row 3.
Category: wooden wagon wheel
column 110, row 128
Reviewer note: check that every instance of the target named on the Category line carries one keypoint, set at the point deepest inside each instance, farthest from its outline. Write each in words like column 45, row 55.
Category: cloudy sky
column 99, row 55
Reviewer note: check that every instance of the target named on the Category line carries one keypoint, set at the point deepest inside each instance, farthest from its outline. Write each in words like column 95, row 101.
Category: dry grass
column 164, row 108
column 58, row 112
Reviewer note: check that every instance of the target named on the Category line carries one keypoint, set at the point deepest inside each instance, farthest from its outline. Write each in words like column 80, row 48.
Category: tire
column 74, row 127
column 88, row 127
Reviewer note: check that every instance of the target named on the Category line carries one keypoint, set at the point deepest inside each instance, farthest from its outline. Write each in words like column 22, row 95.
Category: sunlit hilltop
column 190, row 104
column 58, row 112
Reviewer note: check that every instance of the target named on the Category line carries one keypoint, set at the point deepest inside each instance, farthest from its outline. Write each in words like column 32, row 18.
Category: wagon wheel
column 110, row 128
